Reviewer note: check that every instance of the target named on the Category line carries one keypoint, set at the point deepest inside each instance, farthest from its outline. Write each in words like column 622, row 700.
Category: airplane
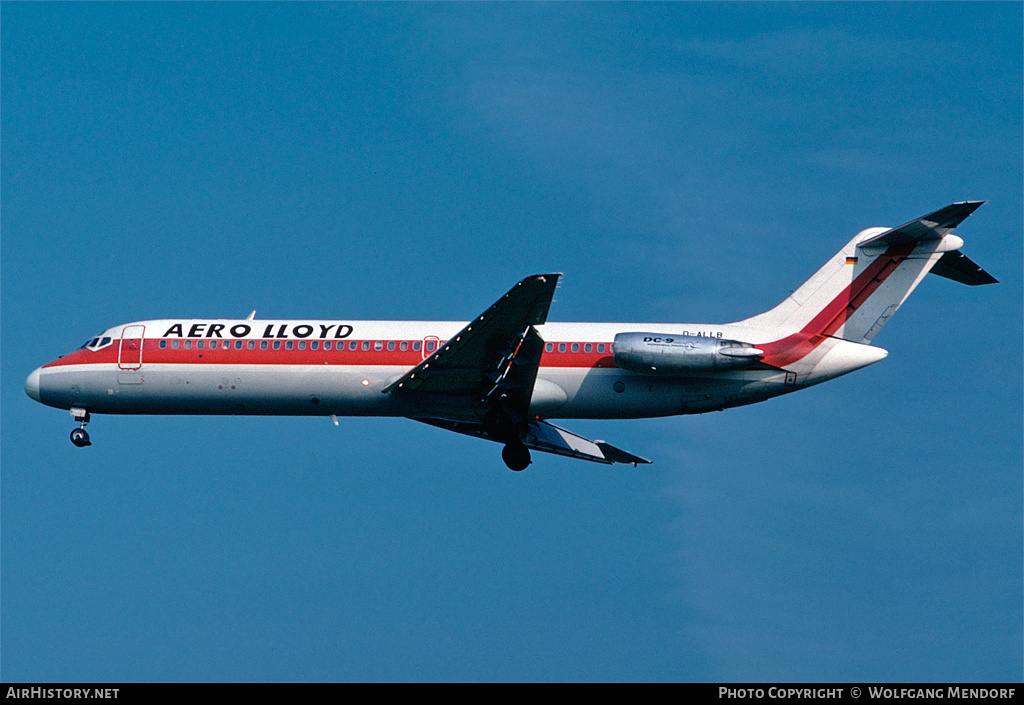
column 504, row 375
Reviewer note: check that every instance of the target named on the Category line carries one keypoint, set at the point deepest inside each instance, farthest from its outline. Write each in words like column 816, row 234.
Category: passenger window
column 549, row 347
column 366, row 345
column 352, row 345
column 277, row 345
column 377, row 345
column 314, row 345
column 403, row 346
column 575, row 347
column 561, row 347
column 416, row 346
column 391, row 345
column 302, row 345
column 175, row 344
column 199, row 345
column 238, row 345
column 587, row 347
column 263, row 345
column 600, row 347
column 327, row 345
column 288, row 345
column 188, row 344
column 163, row 344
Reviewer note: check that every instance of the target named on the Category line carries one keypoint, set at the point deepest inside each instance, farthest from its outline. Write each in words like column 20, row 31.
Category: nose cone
column 32, row 385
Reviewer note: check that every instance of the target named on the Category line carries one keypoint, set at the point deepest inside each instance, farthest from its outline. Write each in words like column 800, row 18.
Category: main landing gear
column 516, row 456
column 502, row 427
column 80, row 436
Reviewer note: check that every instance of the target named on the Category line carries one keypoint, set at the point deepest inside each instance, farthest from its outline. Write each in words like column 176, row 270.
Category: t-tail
column 859, row 289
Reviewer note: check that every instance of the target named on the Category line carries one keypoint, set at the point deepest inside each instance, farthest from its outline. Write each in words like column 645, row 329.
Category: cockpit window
column 100, row 341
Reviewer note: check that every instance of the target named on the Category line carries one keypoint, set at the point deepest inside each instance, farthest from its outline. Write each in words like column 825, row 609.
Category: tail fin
column 859, row 289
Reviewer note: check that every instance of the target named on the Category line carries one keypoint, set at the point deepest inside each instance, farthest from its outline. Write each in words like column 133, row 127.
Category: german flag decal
column 851, row 260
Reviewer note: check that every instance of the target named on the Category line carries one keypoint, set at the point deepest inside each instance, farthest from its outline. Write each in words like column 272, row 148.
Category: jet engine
column 669, row 354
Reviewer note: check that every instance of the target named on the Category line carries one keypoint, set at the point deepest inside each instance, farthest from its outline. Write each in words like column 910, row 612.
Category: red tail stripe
column 832, row 317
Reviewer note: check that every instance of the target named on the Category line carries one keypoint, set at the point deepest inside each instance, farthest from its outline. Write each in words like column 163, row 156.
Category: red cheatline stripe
column 153, row 354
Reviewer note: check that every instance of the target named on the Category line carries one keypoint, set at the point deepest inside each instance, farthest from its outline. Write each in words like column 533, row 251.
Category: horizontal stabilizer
column 933, row 226
column 961, row 268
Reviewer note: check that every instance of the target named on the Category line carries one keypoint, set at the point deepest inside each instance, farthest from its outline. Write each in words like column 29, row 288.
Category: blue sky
column 679, row 162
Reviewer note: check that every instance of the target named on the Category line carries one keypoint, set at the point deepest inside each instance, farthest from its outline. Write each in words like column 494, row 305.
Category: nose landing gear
column 79, row 436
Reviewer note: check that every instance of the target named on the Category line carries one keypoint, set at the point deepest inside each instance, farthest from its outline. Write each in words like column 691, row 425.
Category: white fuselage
column 341, row 367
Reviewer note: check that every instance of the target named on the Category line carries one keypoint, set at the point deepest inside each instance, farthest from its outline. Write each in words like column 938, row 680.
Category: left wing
column 493, row 359
column 481, row 381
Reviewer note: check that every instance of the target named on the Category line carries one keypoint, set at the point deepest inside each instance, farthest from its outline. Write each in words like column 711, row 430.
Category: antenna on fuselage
column 251, row 316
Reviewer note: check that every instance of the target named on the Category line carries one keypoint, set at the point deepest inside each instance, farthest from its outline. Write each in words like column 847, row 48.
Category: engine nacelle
column 669, row 354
